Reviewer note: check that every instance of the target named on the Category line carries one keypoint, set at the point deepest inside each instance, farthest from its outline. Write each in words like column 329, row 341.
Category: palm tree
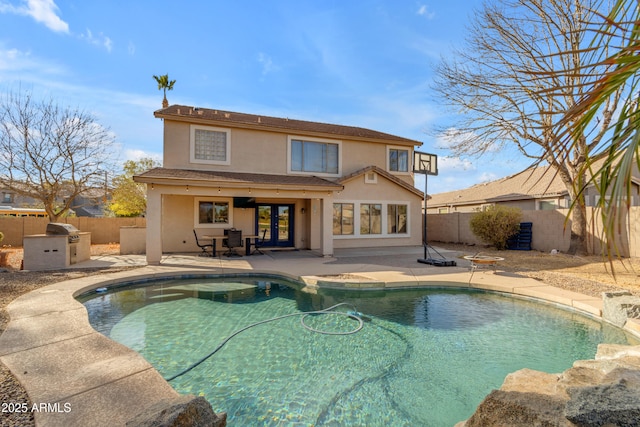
column 164, row 84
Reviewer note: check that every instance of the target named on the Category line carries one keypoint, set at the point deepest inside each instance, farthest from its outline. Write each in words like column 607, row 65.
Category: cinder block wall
column 550, row 230
column 103, row 230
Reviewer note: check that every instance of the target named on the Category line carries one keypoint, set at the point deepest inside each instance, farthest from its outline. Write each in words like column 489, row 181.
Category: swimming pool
column 424, row 357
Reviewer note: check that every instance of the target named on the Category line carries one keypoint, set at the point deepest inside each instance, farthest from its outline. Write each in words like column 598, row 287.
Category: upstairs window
column 398, row 160
column 210, row 145
column 315, row 157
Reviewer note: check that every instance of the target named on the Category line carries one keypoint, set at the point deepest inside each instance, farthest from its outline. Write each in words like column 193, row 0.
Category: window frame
column 353, row 219
column 214, row 200
column 371, row 223
column 384, row 219
column 409, row 159
column 192, row 145
column 397, row 216
column 304, row 139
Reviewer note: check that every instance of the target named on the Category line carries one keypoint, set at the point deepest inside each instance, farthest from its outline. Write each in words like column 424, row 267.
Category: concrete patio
column 61, row 361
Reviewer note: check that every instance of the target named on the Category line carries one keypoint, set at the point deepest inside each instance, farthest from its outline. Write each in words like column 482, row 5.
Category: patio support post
column 154, row 226
column 327, row 226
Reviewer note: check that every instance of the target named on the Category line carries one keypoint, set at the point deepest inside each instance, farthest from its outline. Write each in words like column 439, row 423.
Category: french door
column 277, row 220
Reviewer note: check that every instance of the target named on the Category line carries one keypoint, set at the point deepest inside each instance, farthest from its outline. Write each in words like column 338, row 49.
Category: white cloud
column 14, row 60
column 42, row 11
column 267, row 63
column 423, row 10
column 100, row 40
column 487, row 177
column 453, row 136
column 137, row 154
column 131, row 49
column 446, row 164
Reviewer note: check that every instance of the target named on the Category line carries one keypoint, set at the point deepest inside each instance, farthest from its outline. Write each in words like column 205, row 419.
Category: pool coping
column 77, row 376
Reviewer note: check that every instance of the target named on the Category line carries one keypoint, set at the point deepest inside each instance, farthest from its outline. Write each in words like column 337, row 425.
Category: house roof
column 532, row 183
column 384, row 174
column 234, row 179
column 275, row 124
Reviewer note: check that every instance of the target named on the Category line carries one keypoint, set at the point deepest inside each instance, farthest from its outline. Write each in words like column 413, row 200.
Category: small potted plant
column 4, row 256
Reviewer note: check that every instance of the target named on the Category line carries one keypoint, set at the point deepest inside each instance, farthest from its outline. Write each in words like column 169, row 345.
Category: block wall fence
column 549, row 230
column 103, row 230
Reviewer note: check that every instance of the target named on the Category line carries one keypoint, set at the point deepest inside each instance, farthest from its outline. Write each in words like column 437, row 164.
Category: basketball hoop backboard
column 425, row 163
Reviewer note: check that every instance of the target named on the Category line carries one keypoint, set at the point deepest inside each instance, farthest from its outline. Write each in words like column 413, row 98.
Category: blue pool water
column 423, row 357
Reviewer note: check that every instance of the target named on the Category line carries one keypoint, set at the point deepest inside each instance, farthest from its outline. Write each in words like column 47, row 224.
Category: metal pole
column 424, row 219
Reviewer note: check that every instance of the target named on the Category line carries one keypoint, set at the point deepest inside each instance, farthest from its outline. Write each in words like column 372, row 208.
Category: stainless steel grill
column 61, row 229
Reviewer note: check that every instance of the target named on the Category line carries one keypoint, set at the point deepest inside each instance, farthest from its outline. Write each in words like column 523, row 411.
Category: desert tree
column 503, row 82
column 51, row 153
column 611, row 166
column 164, row 84
column 129, row 198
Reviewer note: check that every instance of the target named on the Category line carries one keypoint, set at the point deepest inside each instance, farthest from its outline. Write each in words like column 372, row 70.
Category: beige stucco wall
column 178, row 221
column 266, row 152
column 385, row 192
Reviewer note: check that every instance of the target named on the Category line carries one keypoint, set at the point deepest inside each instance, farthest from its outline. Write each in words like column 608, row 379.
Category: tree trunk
column 578, row 242
column 165, row 103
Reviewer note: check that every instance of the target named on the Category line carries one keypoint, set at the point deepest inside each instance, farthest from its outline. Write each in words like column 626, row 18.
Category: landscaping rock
column 615, row 404
column 619, row 306
column 601, row 392
column 184, row 411
column 516, row 409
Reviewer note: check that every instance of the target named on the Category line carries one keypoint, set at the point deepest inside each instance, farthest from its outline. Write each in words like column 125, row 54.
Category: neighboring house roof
column 234, row 179
column 384, row 174
column 89, row 211
column 275, row 124
column 532, row 183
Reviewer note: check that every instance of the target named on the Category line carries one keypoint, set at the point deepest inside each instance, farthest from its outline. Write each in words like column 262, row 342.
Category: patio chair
column 233, row 240
column 203, row 246
column 259, row 242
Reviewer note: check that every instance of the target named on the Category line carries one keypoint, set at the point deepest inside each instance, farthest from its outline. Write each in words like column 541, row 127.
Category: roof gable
column 275, row 124
column 384, row 174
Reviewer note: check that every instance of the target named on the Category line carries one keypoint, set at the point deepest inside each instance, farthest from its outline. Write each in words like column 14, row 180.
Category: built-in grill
column 61, row 229
column 61, row 246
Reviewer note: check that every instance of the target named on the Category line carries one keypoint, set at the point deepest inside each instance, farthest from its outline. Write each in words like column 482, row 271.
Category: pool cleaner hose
column 353, row 314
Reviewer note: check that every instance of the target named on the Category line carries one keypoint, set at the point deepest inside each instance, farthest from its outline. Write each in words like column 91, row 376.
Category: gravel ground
column 587, row 275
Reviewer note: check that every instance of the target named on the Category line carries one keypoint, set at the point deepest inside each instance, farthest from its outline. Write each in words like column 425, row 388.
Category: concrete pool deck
column 76, row 376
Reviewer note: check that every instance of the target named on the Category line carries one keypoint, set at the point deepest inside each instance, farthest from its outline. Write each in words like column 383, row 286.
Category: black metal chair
column 233, row 240
column 260, row 241
column 203, row 246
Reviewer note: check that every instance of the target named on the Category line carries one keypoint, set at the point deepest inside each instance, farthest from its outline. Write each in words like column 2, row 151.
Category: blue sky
column 358, row 63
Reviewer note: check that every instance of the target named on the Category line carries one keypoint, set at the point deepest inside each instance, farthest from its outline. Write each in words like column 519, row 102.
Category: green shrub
column 496, row 224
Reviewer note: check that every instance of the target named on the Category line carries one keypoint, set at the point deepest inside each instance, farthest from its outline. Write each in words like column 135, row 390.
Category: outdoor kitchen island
column 61, row 246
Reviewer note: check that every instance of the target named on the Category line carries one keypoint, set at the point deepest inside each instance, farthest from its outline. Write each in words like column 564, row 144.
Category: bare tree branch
column 49, row 153
column 525, row 64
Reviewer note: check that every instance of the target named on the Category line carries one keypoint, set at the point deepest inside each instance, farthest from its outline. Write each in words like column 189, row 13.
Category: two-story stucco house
column 310, row 185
